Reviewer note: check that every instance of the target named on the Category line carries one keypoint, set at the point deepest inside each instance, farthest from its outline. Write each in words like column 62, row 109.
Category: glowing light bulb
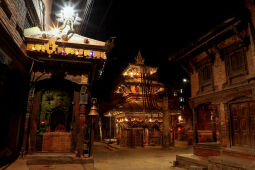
column 76, row 52
column 68, row 12
column 33, row 47
column 91, row 54
column 63, row 51
column 180, row 118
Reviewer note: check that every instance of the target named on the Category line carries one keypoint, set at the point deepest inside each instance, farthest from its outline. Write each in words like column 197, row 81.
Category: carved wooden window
column 236, row 64
column 205, row 76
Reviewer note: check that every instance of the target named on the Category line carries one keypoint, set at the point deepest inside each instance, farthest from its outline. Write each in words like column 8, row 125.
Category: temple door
column 130, row 140
column 235, row 124
column 139, row 137
column 244, row 128
column 240, row 124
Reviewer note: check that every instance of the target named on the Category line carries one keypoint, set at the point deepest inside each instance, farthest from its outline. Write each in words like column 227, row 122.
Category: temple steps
column 194, row 162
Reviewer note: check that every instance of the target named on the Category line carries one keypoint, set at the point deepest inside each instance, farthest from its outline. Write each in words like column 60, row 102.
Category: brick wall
column 56, row 142
column 205, row 152
column 15, row 21
column 13, row 16
column 251, row 58
column 246, row 155
column 250, row 4
column 194, row 81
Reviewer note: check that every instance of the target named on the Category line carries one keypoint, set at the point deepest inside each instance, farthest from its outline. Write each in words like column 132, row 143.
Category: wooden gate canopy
column 49, row 44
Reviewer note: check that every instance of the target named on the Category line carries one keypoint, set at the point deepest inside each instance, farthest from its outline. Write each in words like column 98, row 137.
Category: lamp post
column 93, row 112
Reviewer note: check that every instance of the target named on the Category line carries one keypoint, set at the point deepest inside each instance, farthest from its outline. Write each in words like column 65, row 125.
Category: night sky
column 157, row 28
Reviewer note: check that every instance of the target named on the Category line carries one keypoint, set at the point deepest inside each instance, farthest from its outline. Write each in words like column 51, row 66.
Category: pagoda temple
column 139, row 117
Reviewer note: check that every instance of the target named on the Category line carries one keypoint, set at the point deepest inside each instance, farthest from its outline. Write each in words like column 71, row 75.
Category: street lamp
column 93, row 112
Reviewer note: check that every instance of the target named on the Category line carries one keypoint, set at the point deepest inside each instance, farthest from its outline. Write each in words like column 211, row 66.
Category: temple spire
column 139, row 59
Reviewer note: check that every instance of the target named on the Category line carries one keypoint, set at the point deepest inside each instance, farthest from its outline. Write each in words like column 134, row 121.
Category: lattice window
column 205, row 76
column 236, row 64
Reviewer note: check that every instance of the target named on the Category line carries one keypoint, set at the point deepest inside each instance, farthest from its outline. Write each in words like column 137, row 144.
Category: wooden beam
column 212, row 56
column 185, row 69
column 239, row 35
column 210, row 39
column 64, row 60
column 83, row 46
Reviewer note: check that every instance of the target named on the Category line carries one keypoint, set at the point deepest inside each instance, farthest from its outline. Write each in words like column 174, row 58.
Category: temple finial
column 139, row 59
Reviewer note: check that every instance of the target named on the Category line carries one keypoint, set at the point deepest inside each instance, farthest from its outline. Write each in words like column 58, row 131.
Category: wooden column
column 228, row 124
column 27, row 118
column 146, row 136
column 166, row 134
column 92, row 135
column 195, row 135
column 34, row 122
column 81, row 131
column 76, row 120
column 120, row 133
column 83, row 102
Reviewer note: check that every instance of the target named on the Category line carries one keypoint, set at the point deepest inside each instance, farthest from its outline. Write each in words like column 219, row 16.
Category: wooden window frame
column 235, row 75
column 204, row 69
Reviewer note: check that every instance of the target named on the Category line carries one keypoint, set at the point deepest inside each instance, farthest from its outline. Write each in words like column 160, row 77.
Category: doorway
column 243, row 124
column 57, row 121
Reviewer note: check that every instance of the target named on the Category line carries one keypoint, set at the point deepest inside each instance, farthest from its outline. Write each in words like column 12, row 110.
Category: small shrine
column 139, row 118
column 65, row 64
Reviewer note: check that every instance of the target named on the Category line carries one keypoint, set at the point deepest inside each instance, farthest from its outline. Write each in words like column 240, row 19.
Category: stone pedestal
column 56, row 142
column 230, row 162
column 207, row 149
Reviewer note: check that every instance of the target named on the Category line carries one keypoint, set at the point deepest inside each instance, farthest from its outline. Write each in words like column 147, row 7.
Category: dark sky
column 157, row 28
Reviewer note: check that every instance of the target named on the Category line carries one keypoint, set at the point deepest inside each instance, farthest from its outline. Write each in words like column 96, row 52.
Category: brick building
column 221, row 69
column 180, row 118
column 14, row 71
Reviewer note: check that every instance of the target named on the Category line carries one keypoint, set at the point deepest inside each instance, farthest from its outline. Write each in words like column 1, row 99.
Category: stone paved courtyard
column 148, row 158
column 115, row 158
